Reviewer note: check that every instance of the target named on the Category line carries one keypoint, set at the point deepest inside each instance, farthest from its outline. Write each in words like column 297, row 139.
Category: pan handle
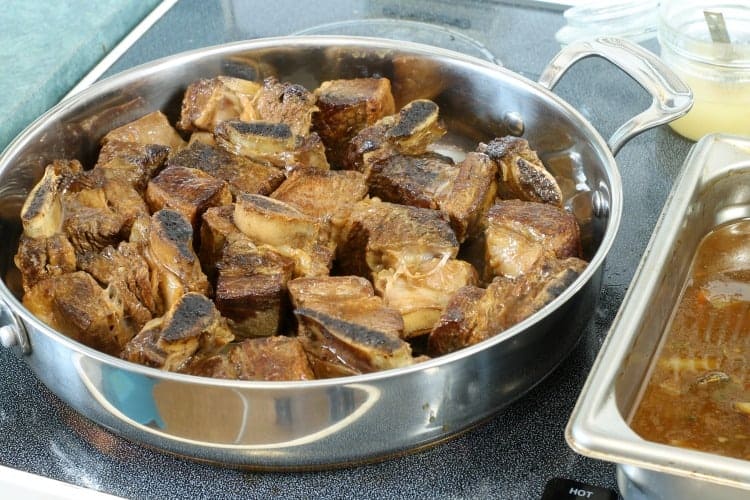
column 12, row 331
column 672, row 97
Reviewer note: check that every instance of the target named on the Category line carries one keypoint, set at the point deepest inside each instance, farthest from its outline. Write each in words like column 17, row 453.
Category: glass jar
column 632, row 19
column 714, row 62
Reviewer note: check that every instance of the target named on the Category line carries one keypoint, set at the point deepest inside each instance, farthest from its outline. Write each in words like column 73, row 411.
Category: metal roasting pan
column 335, row 422
column 713, row 188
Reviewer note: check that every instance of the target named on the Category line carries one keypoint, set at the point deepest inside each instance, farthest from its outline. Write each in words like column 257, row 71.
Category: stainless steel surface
column 8, row 336
column 402, row 29
column 671, row 97
column 12, row 331
column 313, row 424
column 713, row 188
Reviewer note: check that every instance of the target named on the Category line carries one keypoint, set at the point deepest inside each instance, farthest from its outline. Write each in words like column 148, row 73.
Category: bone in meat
column 171, row 255
column 521, row 174
column 210, row 101
column 284, row 102
column 272, row 144
column 348, row 106
column 191, row 329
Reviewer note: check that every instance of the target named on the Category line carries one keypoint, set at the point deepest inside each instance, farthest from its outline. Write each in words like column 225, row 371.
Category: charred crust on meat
column 38, row 201
column 197, row 154
column 498, row 148
column 265, row 129
column 177, row 229
column 357, row 333
column 194, row 313
column 294, row 90
column 268, row 204
column 411, row 117
column 530, row 176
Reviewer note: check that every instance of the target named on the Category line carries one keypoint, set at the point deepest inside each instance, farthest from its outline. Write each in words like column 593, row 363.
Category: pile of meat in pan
column 297, row 235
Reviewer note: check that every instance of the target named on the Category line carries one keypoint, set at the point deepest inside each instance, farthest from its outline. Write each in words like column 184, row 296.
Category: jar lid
column 633, row 19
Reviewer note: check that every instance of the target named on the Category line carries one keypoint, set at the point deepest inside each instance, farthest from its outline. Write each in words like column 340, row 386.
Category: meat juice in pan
column 698, row 394
column 294, row 235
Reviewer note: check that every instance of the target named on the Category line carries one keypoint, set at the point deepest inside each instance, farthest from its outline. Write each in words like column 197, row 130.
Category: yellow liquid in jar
column 717, row 107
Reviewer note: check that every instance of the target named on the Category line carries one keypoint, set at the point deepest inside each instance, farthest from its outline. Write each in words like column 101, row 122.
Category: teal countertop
column 47, row 46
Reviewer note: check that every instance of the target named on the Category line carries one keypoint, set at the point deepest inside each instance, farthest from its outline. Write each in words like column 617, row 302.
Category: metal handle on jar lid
column 672, row 98
column 12, row 331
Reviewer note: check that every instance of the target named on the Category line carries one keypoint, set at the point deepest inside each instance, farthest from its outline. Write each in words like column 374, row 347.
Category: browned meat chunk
column 148, row 157
column 420, row 293
column 42, row 211
column 272, row 144
column 471, row 196
column 102, row 190
column 171, row 257
column 287, row 103
column 345, row 328
column 522, row 234
column 337, row 347
column 414, row 128
column 321, row 193
column 42, row 258
column 130, row 162
column 464, row 192
column 208, row 102
column 270, row 358
column 419, row 181
column 153, row 128
column 368, row 146
column 190, row 330
column 303, row 238
column 350, row 298
column 216, row 228
column 272, row 222
column 470, row 317
column 242, row 174
column 102, row 193
column 125, row 201
column 377, row 235
column 474, row 314
column 521, row 174
column 90, row 222
column 77, row 306
column 187, row 190
column 126, row 271
column 348, row 106
column 71, row 212
column 251, row 289
column 417, row 126
column 327, row 291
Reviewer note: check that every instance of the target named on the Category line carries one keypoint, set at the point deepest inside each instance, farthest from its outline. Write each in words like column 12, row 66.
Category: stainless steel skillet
column 323, row 423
